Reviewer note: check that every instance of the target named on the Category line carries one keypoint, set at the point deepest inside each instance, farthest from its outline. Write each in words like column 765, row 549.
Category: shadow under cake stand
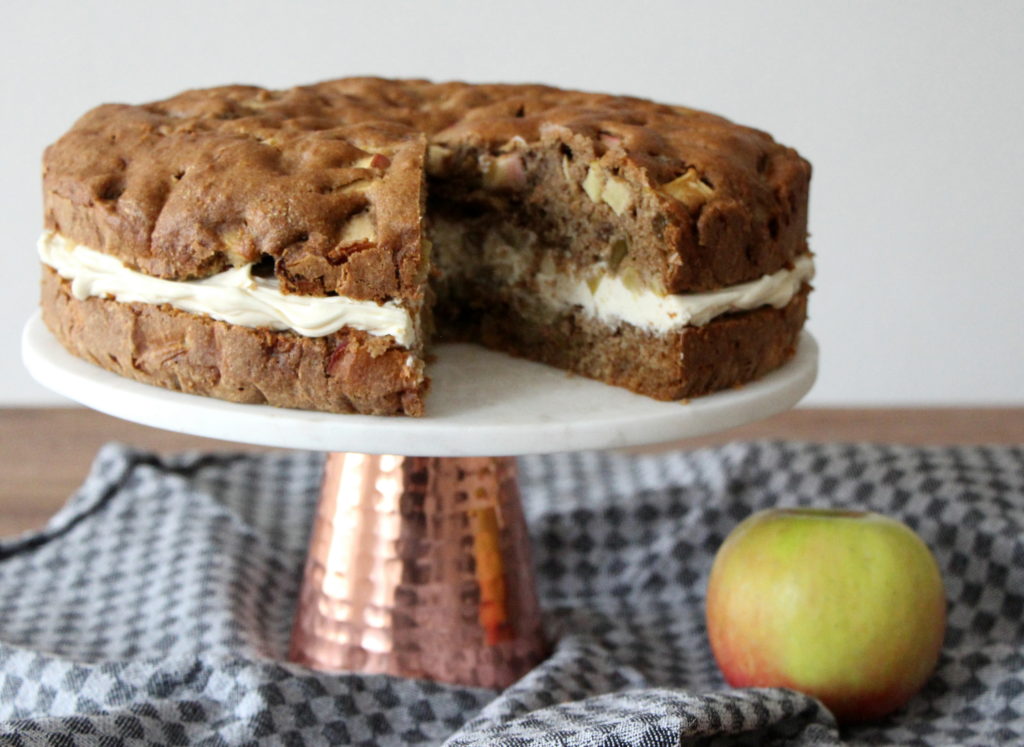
column 419, row 560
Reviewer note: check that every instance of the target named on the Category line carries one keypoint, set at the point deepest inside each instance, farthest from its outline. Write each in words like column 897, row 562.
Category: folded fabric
column 156, row 607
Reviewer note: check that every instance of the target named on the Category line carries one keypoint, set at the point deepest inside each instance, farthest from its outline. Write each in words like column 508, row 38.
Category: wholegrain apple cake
column 302, row 247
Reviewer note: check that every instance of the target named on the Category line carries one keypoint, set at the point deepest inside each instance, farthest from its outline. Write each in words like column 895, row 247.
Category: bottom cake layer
column 729, row 351
column 353, row 372
column 348, row 371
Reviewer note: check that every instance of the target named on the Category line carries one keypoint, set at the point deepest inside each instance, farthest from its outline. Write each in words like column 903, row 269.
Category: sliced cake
column 287, row 246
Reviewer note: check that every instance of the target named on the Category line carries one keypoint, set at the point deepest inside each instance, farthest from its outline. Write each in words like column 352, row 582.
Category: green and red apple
column 845, row 606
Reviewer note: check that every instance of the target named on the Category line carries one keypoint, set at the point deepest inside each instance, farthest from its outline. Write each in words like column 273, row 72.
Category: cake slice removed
column 651, row 247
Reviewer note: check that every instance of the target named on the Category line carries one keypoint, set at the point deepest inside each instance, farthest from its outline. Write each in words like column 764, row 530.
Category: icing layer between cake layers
column 236, row 296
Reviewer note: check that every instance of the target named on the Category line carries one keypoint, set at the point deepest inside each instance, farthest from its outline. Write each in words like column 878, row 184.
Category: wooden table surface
column 45, row 452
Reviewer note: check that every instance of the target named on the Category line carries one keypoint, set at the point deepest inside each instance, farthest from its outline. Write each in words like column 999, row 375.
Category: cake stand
column 419, row 561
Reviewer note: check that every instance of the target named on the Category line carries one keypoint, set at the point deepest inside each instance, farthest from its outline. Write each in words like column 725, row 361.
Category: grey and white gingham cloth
column 155, row 607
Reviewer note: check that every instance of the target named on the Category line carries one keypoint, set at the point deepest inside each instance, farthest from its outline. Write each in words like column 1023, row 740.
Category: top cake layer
column 328, row 180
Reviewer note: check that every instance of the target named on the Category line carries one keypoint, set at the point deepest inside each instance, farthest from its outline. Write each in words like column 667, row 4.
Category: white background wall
column 911, row 112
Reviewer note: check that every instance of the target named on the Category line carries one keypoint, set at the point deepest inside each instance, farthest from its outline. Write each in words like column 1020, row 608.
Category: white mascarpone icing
column 237, row 297
column 234, row 296
column 611, row 301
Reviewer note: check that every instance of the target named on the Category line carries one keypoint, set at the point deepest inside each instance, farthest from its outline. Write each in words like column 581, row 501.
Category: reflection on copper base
column 420, row 567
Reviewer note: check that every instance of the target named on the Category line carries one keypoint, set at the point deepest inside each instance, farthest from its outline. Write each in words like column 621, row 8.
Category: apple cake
column 302, row 247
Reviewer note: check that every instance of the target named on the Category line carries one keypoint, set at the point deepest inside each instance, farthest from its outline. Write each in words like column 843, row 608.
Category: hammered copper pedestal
column 420, row 567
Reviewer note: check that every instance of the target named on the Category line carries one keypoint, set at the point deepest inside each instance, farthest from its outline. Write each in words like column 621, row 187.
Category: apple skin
column 845, row 606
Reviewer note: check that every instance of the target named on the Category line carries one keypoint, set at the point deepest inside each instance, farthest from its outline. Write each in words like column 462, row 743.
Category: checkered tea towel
column 155, row 608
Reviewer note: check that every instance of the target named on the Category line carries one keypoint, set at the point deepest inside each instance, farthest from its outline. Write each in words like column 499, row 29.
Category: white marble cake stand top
column 482, row 403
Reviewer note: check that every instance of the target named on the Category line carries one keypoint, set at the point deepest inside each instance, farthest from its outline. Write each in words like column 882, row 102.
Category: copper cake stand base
column 420, row 567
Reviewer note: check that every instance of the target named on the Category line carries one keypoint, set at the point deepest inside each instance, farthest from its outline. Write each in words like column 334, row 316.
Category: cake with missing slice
column 301, row 247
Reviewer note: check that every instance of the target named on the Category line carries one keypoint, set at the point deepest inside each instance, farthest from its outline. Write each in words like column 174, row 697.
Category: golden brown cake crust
column 346, row 372
column 188, row 186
